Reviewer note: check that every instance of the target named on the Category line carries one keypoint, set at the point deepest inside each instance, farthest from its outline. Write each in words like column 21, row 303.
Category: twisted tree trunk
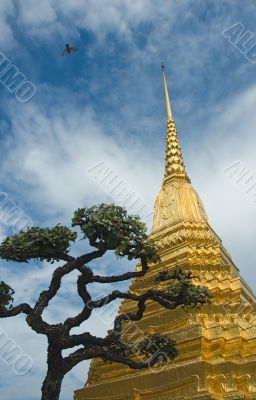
column 52, row 384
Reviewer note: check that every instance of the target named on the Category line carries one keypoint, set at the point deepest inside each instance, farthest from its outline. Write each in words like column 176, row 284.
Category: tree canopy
column 107, row 227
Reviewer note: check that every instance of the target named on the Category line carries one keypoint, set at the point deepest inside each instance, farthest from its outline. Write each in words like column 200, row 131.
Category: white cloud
column 7, row 39
column 121, row 17
column 52, row 154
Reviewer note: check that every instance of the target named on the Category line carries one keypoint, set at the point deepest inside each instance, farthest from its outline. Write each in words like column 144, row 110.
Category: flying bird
column 68, row 50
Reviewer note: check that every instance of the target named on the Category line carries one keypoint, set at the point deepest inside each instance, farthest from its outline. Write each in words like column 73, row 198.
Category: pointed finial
column 174, row 167
column 167, row 99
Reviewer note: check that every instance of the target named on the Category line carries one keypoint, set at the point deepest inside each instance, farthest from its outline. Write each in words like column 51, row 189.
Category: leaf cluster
column 182, row 289
column 6, row 298
column 157, row 345
column 121, row 348
column 109, row 227
column 39, row 243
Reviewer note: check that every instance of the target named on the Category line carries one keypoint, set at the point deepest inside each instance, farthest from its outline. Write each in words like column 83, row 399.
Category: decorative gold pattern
column 217, row 343
column 178, row 202
column 174, row 166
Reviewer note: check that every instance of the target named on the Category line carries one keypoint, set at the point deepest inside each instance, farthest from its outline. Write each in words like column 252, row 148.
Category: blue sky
column 105, row 103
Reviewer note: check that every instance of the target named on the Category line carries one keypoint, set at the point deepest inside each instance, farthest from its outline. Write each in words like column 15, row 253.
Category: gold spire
column 174, row 166
column 177, row 201
column 167, row 99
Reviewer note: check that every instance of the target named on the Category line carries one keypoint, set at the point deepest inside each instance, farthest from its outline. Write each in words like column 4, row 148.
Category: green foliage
column 121, row 348
column 109, row 227
column 6, row 298
column 159, row 346
column 182, row 288
column 39, row 243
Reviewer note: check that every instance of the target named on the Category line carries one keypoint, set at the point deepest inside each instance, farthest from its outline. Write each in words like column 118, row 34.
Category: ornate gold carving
column 182, row 388
column 246, row 383
column 178, row 201
column 220, row 384
column 188, row 235
column 223, row 384
column 174, row 166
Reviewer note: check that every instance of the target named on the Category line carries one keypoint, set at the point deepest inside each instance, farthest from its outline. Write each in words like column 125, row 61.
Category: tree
column 107, row 228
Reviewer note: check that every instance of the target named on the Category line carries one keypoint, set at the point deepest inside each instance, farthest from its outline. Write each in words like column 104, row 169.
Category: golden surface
column 217, row 343
column 167, row 100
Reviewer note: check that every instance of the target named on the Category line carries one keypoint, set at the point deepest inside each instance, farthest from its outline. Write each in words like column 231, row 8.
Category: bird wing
column 72, row 49
column 64, row 53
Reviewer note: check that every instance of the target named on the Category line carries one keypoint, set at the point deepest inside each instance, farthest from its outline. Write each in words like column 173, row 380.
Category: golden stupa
column 217, row 342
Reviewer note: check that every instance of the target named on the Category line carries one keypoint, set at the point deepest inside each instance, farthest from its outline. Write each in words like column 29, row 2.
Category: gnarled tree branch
column 23, row 308
column 123, row 277
column 87, row 310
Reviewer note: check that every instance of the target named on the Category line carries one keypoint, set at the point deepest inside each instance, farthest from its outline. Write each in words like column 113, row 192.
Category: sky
column 104, row 105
